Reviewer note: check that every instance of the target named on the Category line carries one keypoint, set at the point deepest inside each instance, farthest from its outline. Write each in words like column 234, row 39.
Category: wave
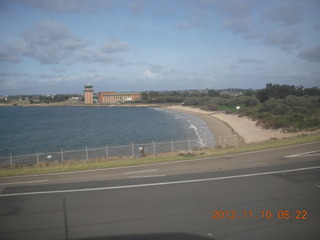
column 199, row 127
column 200, row 142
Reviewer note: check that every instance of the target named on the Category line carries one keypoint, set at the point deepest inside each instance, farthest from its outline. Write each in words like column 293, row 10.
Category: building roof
column 117, row 94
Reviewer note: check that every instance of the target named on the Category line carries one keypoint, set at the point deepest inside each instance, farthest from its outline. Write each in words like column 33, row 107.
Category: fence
column 300, row 130
column 133, row 150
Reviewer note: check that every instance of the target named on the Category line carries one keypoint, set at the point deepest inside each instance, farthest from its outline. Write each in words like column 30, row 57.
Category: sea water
column 25, row 130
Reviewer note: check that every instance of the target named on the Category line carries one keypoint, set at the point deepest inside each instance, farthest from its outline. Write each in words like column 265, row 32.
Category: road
column 271, row 194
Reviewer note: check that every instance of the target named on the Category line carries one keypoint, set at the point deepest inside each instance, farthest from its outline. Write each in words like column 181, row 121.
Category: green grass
column 101, row 163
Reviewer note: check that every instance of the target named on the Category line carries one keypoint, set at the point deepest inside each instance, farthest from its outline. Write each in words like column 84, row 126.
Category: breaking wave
column 199, row 127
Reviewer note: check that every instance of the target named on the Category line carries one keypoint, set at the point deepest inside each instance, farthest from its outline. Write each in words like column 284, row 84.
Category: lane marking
column 37, row 181
column 158, row 184
column 141, row 171
column 148, row 176
column 305, row 154
column 163, row 163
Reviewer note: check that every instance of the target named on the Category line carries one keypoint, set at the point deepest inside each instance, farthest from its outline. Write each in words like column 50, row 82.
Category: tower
column 88, row 94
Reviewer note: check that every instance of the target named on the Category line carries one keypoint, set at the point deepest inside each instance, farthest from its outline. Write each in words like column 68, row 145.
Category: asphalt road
column 272, row 194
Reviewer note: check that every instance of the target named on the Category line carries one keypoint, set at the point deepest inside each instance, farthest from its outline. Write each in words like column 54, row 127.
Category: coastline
column 63, row 104
column 245, row 129
column 223, row 133
column 227, row 129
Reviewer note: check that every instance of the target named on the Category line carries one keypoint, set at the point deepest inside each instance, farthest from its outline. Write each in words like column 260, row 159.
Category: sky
column 58, row 46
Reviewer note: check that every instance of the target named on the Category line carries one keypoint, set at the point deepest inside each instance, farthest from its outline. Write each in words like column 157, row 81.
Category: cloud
column 311, row 54
column 286, row 39
column 138, row 7
column 185, row 25
column 13, row 74
column 67, row 6
column 250, row 60
column 196, row 19
column 150, row 74
column 9, row 54
column 59, row 69
column 236, row 8
column 242, row 26
column 286, row 14
column 48, row 42
column 92, row 55
column 115, row 45
column 51, row 42
column 238, row 18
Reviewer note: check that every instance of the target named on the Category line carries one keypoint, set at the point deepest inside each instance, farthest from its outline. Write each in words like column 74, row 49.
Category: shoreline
column 244, row 128
column 223, row 133
column 227, row 129
column 84, row 105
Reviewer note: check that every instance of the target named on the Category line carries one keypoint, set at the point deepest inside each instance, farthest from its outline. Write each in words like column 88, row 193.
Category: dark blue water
column 46, row 129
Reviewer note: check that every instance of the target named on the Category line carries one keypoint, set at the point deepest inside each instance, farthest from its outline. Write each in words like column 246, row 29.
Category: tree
column 276, row 91
column 249, row 101
column 263, row 95
column 213, row 93
column 312, row 91
column 144, row 96
column 153, row 94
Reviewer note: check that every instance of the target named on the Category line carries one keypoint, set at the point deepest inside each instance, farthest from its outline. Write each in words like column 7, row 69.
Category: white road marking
column 141, row 171
column 305, row 154
column 158, row 184
column 148, row 176
column 12, row 183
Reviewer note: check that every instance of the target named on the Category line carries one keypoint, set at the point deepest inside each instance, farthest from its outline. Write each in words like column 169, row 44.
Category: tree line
column 275, row 106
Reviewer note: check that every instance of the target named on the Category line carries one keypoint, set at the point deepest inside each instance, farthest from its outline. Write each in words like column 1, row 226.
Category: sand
column 224, row 125
column 223, row 133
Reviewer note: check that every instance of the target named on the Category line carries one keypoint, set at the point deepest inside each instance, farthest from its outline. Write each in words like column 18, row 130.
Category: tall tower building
column 88, row 99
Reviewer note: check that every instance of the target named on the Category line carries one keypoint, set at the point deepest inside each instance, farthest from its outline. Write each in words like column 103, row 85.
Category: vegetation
column 50, row 99
column 275, row 106
column 36, row 99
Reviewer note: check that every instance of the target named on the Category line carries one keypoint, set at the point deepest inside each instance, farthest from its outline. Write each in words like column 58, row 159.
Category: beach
column 223, row 125
column 224, row 134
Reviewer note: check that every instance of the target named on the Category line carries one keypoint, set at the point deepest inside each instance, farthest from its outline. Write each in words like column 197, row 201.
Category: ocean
column 25, row 130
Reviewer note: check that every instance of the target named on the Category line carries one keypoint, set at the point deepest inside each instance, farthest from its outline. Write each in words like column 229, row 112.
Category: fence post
column 107, row 152
column 132, row 149
column 87, row 155
column 172, row 150
column 154, row 147
column 11, row 159
column 61, row 155
column 37, row 156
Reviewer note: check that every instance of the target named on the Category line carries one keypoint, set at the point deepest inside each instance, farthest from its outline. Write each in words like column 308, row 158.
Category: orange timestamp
column 265, row 214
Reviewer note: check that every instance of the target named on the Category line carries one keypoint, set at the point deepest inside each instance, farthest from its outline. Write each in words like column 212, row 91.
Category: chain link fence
column 130, row 150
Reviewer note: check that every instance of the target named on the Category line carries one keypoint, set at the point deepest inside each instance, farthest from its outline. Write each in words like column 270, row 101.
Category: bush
column 280, row 109
column 210, row 107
